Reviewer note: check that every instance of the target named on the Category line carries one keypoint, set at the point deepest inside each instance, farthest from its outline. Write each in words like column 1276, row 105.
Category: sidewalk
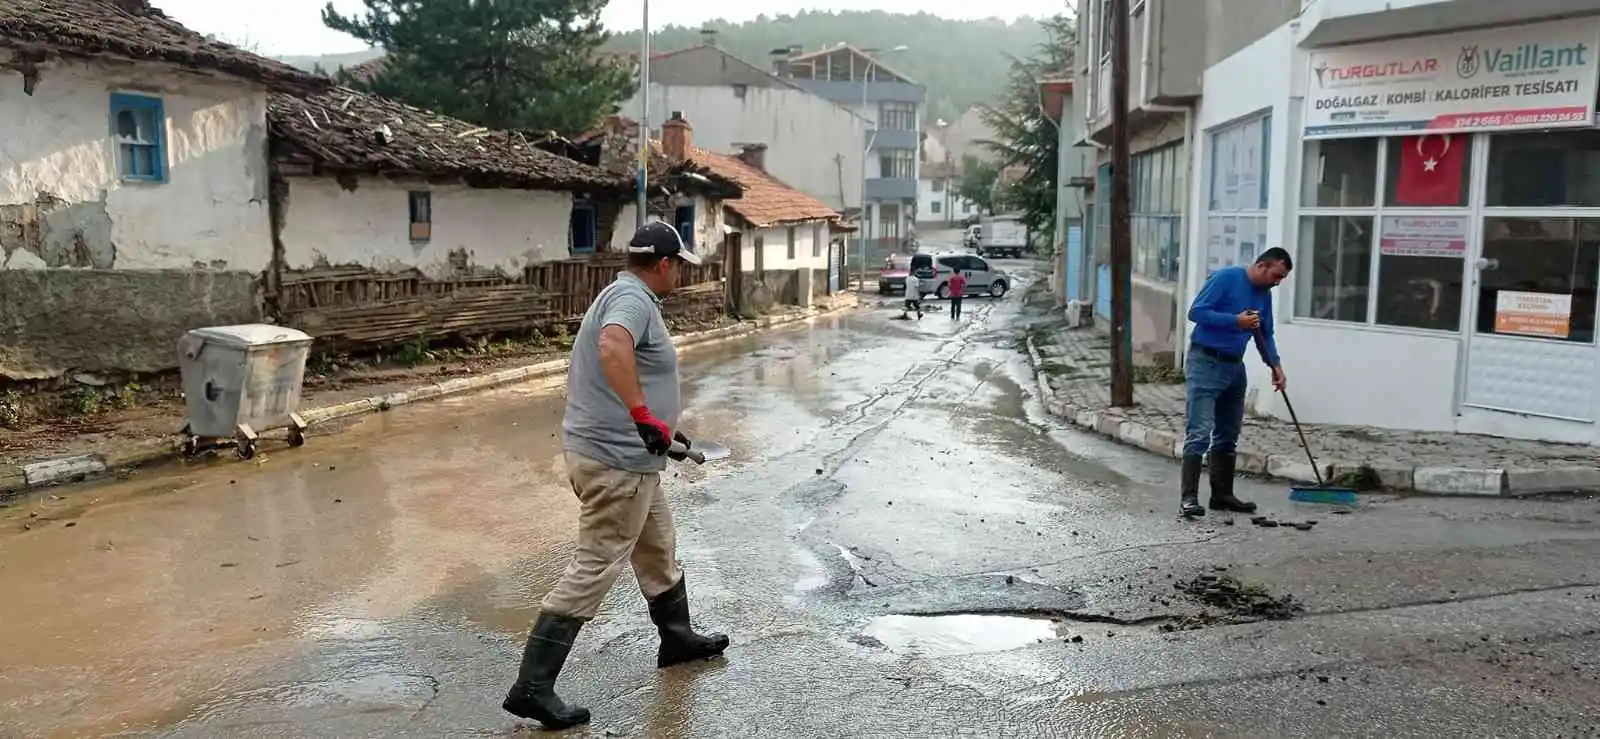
column 117, row 445
column 1073, row 368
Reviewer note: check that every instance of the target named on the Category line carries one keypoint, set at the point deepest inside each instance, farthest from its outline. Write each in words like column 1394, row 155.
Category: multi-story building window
column 1159, row 184
column 898, row 164
column 897, row 116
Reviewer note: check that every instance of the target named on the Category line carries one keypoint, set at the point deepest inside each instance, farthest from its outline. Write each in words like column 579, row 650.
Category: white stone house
column 133, row 185
column 784, row 237
column 376, row 203
column 374, row 183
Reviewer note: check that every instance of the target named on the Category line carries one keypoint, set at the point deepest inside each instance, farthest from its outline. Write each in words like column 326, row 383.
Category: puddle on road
column 947, row 636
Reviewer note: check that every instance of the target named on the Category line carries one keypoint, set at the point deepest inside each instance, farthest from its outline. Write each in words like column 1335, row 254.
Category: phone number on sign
column 1494, row 120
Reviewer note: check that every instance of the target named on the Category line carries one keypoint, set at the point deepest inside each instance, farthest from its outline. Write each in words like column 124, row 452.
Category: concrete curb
column 1410, row 479
column 80, row 467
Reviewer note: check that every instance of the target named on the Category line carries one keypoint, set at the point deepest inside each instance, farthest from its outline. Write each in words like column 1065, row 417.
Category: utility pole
column 643, row 176
column 1121, row 230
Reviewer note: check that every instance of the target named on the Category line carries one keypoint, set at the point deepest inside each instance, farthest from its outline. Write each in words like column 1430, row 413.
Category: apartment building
column 812, row 143
column 1170, row 42
column 857, row 79
column 1430, row 164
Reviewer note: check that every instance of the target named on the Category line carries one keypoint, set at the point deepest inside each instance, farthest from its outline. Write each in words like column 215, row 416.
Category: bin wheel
column 296, row 437
column 245, row 449
column 190, row 446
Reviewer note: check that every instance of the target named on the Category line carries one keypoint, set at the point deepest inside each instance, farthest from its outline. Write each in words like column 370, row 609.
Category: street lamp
column 644, row 117
column 866, row 222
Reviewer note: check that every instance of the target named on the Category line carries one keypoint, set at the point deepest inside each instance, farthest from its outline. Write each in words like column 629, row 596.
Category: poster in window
column 1214, row 245
column 1423, row 236
column 1230, row 242
column 1547, row 315
column 1249, row 241
column 1250, row 169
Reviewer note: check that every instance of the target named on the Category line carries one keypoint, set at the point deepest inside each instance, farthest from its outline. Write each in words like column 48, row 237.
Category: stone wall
column 55, row 322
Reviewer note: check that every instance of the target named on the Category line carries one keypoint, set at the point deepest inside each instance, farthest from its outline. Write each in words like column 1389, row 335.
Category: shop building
column 1441, row 194
column 1168, row 41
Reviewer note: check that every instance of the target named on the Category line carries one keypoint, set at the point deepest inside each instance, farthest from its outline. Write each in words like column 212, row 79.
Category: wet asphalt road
column 903, row 545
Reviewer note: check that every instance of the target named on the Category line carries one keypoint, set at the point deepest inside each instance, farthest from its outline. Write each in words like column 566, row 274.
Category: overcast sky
column 295, row 26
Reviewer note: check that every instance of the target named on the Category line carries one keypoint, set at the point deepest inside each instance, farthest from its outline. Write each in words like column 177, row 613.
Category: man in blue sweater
column 1234, row 306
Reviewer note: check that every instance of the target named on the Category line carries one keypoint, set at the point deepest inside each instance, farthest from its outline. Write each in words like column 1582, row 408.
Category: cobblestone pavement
column 1076, row 362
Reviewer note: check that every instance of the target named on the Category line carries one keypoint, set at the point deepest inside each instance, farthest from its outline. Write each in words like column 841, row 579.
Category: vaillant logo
column 1521, row 59
column 1467, row 63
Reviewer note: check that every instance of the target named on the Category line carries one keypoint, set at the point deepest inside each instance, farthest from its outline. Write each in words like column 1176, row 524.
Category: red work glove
column 654, row 431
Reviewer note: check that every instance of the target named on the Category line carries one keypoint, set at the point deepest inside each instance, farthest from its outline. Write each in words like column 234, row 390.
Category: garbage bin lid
column 249, row 334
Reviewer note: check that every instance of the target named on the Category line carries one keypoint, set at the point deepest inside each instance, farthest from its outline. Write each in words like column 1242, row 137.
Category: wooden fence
column 353, row 309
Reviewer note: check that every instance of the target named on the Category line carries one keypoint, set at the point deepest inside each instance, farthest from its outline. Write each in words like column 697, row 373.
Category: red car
column 893, row 277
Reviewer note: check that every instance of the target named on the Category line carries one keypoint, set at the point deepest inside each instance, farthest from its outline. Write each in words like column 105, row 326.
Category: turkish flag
column 1431, row 167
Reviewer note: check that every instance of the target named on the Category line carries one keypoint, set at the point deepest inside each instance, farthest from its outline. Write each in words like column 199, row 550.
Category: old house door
column 733, row 268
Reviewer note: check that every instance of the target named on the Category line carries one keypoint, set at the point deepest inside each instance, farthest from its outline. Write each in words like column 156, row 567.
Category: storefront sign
column 1533, row 314
column 1421, row 236
column 1535, row 76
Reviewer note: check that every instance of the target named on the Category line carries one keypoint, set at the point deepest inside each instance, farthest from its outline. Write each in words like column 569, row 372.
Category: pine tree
column 510, row 64
column 1025, row 136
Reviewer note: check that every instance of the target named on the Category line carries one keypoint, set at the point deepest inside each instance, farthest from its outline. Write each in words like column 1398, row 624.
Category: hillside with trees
column 963, row 63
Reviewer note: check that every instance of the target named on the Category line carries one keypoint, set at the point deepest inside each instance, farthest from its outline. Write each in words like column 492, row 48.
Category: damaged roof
column 132, row 29
column 348, row 131
column 613, row 146
column 767, row 201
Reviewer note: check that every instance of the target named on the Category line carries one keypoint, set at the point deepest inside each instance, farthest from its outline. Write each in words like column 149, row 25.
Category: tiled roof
column 346, row 131
column 131, row 29
column 766, row 200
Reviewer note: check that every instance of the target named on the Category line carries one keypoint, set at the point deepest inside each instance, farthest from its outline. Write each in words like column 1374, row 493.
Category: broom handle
column 1261, row 347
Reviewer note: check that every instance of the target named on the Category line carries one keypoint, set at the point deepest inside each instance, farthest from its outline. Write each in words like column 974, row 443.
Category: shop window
column 1340, row 173
column 1540, row 279
column 1544, row 169
column 1428, row 171
column 1397, row 262
column 1334, row 272
column 1236, row 218
column 1420, row 265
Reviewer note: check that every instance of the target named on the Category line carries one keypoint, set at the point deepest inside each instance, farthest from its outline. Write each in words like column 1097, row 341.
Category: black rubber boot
column 534, row 694
column 1222, row 498
column 679, row 642
column 1190, row 505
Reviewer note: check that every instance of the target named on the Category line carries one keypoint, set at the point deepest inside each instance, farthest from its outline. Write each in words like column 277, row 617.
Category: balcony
column 890, row 139
column 849, row 92
column 884, row 188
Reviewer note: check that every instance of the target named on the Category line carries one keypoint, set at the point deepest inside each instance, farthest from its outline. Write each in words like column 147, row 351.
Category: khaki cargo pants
column 624, row 518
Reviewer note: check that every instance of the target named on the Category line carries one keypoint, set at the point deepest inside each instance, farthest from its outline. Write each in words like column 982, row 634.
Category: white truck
column 1002, row 237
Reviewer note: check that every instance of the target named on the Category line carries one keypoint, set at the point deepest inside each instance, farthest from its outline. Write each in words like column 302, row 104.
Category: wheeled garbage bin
column 239, row 381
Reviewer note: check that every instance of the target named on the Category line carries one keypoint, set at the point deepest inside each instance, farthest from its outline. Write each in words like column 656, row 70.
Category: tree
column 508, row 64
column 1025, row 136
column 977, row 183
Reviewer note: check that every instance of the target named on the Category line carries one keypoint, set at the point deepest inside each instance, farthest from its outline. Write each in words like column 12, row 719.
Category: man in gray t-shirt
column 622, row 404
